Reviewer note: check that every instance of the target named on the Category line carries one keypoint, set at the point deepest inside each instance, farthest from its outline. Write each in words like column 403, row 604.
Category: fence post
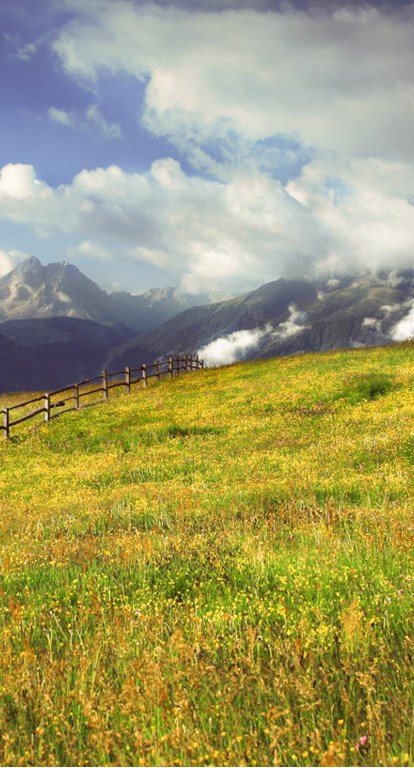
column 47, row 407
column 6, row 425
column 157, row 368
column 144, row 375
column 105, row 384
column 128, row 378
column 170, row 366
column 77, row 401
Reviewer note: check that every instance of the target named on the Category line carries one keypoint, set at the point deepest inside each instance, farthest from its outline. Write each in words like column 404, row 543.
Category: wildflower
column 362, row 743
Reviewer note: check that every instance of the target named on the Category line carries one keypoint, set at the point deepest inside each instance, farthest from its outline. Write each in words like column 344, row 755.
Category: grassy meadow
column 216, row 571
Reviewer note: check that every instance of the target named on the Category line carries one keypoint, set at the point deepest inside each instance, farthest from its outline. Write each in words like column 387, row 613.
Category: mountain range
column 57, row 326
column 286, row 317
column 61, row 290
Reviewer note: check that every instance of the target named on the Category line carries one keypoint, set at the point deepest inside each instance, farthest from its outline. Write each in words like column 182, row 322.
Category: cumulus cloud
column 227, row 235
column 228, row 349
column 208, row 234
column 297, row 124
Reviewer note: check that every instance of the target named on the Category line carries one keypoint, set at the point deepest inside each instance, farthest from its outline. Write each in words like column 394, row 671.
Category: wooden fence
column 70, row 398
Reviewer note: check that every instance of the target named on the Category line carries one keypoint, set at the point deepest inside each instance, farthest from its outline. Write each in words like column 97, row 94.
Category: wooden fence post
column 157, row 368
column 77, row 400
column 144, row 375
column 170, row 366
column 105, row 384
column 128, row 378
column 6, row 425
column 47, row 406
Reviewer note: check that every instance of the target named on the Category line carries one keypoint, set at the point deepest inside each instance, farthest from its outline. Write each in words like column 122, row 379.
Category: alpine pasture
column 216, row 571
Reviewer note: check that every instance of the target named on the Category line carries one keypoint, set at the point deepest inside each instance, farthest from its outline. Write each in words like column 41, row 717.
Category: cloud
column 326, row 76
column 404, row 329
column 292, row 326
column 208, row 235
column 297, row 125
column 227, row 235
column 60, row 116
column 109, row 130
column 27, row 51
column 228, row 349
column 372, row 322
column 89, row 250
column 18, row 182
column 9, row 260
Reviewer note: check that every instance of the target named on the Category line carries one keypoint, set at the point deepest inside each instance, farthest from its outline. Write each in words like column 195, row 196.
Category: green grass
column 216, row 571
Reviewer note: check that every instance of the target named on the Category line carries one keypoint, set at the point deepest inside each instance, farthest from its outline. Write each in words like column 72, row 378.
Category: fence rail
column 74, row 392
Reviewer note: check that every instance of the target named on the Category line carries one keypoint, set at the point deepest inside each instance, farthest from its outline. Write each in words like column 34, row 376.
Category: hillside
column 288, row 316
column 217, row 571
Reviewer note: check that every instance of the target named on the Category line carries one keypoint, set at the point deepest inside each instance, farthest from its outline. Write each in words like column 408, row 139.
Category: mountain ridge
column 287, row 317
column 61, row 289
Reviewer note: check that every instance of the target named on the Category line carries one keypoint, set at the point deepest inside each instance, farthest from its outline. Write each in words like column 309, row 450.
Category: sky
column 213, row 145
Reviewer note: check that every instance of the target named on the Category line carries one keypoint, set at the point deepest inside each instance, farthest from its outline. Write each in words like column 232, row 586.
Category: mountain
column 60, row 289
column 48, row 353
column 287, row 316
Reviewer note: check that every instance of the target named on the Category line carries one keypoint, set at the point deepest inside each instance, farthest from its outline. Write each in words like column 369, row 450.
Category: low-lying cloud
column 292, row 326
column 233, row 347
column 404, row 329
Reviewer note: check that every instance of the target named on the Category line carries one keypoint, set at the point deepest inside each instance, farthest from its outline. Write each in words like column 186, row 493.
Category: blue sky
column 211, row 145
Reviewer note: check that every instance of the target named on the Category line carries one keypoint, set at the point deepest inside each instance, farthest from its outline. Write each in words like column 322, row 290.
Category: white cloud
column 18, row 182
column 89, row 250
column 109, row 130
column 60, row 116
column 27, row 51
column 292, row 326
column 227, row 235
column 404, row 329
column 154, row 256
column 340, row 80
column 372, row 322
column 9, row 260
column 243, row 94
column 232, row 347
